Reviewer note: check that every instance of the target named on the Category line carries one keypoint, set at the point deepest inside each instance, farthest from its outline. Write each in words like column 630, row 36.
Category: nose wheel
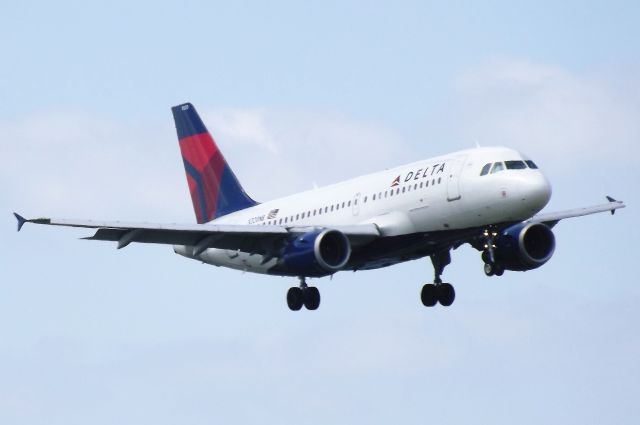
column 493, row 269
column 438, row 292
column 303, row 295
column 491, row 266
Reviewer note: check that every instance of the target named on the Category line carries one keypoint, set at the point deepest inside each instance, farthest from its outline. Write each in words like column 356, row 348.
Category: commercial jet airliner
column 489, row 198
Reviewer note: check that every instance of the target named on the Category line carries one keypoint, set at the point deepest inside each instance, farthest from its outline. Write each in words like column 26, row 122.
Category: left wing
column 253, row 239
column 551, row 219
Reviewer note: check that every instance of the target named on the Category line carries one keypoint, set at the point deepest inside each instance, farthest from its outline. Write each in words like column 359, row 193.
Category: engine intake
column 317, row 253
column 525, row 246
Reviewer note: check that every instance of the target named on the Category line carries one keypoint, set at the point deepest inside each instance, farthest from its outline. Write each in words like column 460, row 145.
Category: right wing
column 253, row 239
column 551, row 219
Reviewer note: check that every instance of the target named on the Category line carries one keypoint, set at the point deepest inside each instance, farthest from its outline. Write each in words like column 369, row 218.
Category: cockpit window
column 498, row 166
column 485, row 169
column 515, row 165
column 531, row 164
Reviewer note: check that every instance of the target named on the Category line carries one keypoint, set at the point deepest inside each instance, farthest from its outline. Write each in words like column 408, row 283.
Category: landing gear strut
column 438, row 292
column 491, row 265
column 309, row 296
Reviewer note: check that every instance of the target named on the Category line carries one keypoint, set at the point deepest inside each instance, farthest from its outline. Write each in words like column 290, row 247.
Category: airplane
column 489, row 198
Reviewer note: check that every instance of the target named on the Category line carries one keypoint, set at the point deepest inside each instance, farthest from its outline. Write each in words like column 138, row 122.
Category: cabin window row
column 346, row 204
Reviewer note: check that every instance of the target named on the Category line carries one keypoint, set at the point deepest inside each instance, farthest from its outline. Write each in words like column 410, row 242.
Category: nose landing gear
column 491, row 265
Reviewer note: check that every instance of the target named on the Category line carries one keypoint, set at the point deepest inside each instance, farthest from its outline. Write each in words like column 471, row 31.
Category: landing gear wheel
column 493, row 269
column 446, row 294
column 429, row 295
column 295, row 299
column 488, row 269
column 485, row 257
column 311, row 298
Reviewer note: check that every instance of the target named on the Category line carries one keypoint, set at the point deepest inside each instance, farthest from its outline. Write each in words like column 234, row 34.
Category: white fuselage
column 437, row 194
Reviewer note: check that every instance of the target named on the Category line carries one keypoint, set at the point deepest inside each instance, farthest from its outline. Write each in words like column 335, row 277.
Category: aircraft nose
column 535, row 191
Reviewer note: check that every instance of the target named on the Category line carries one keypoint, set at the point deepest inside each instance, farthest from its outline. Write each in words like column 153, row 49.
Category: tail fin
column 215, row 190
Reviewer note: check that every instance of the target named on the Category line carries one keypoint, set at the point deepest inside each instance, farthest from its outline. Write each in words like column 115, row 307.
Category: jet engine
column 525, row 246
column 317, row 253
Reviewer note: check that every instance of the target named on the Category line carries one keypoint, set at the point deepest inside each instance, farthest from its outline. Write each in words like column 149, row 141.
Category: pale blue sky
column 298, row 94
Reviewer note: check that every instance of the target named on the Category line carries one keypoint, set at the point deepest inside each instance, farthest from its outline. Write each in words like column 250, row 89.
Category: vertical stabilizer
column 215, row 190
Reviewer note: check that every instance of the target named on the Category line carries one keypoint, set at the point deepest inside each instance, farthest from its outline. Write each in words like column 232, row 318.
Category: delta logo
column 419, row 174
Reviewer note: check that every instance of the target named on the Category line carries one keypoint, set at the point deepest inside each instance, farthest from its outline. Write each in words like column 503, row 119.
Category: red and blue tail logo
column 215, row 190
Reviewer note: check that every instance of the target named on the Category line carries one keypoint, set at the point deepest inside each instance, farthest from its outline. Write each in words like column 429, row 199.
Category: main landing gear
column 309, row 296
column 438, row 292
column 491, row 266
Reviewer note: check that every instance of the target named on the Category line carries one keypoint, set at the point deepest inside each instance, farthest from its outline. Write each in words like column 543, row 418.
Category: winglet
column 610, row 199
column 21, row 220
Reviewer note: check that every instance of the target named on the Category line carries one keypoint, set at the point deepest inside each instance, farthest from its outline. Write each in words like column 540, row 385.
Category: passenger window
column 485, row 169
column 365, row 199
column 403, row 189
column 374, row 196
column 515, row 165
column 531, row 164
column 331, row 207
column 397, row 191
column 498, row 166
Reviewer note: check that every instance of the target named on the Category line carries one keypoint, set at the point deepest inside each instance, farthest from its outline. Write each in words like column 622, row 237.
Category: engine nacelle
column 525, row 246
column 317, row 253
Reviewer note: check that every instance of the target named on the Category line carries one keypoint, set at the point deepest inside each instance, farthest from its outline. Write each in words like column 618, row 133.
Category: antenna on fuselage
column 477, row 143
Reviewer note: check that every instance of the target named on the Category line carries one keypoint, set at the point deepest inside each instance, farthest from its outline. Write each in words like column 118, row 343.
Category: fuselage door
column 454, row 169
column 355, row 204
